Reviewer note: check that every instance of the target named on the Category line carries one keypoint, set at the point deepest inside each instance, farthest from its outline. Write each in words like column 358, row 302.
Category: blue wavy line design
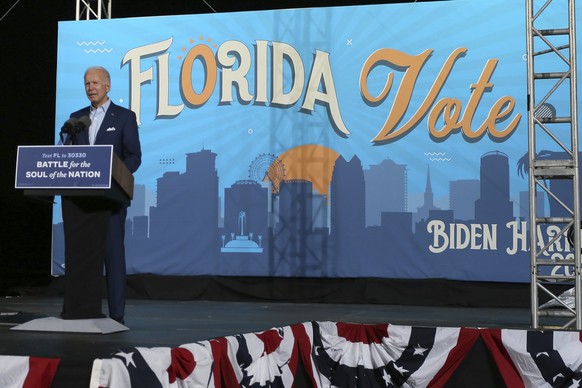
column 98, row 51
column 435, row 153
column 91, row 43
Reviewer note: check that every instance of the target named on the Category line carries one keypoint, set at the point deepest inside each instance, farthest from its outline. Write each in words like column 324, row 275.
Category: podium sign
column 60, row 167
column 73, row 170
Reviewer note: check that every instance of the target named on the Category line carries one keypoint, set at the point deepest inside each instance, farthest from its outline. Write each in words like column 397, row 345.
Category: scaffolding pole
column 553, row 162
column 93, row 9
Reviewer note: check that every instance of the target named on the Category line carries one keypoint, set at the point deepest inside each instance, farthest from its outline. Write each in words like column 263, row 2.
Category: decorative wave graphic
column 437, row 156
column 98, row 51
column 91, row 43
column 435, row 153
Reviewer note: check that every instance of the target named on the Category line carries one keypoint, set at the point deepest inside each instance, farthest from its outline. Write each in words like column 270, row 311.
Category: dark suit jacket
column 119, row 128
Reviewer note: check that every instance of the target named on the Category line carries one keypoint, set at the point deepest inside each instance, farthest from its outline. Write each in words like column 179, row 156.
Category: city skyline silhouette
column 296, row 231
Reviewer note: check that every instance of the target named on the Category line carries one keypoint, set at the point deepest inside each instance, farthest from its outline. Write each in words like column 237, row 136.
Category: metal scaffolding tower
column 294, row 253
column 553, row 162
column 93, row 9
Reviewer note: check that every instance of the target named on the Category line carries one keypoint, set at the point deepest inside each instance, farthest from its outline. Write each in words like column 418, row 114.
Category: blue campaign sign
column 63, row 167
column 326, row 142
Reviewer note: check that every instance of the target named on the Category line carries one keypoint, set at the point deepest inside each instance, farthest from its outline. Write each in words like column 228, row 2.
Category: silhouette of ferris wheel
column 267, row 168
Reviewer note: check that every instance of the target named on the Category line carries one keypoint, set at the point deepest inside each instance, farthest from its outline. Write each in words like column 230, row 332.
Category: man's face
column 96, row 87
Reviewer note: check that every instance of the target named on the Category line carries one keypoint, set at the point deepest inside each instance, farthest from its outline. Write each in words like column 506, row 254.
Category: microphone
column 82, row 124
column 69, row 125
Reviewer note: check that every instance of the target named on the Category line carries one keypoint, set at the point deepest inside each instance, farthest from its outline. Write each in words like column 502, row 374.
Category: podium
column 88, row 171
column 92, row 182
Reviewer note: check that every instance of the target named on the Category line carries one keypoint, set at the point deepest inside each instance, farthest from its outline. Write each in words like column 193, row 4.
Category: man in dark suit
column 117, row 126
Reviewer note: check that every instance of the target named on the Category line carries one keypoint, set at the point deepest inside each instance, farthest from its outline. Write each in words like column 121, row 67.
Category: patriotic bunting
column 354, row 355
column 27, row 372
column 325, row 355
column 536, row 359
column 347, row 355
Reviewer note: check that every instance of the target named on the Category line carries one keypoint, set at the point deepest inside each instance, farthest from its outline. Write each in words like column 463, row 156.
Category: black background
column 28, row 41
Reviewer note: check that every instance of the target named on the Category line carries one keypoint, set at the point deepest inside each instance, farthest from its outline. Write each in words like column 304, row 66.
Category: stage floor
column 155, row 323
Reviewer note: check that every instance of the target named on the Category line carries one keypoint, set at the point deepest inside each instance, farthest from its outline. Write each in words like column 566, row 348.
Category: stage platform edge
column 54, row 324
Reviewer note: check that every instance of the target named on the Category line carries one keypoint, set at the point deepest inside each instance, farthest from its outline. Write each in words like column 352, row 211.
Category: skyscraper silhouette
column 386, row 190
column 294, row 226
column 348, row 213
column 494, row 205
column 187, row 211
column 462, row 196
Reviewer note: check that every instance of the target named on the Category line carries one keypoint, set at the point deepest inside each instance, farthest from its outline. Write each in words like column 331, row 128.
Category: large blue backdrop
column 367, row 141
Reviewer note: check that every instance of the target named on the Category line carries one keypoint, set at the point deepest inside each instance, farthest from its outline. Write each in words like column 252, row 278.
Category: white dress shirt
column 97, row 115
